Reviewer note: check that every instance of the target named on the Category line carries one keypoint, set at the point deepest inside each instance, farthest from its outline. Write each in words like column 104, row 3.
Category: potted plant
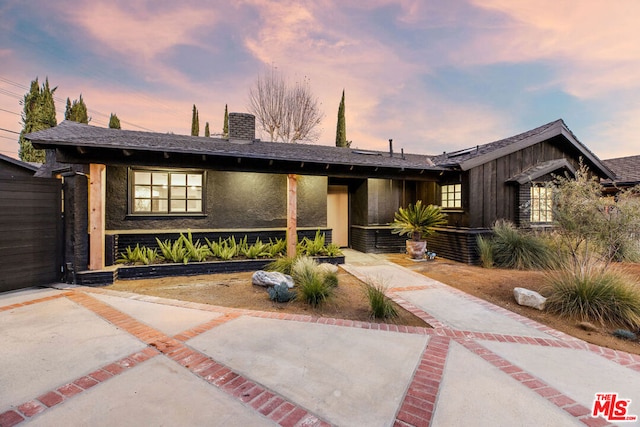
column 417, row 221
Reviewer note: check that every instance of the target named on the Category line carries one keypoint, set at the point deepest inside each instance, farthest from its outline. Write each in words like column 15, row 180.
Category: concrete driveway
column 88, row 356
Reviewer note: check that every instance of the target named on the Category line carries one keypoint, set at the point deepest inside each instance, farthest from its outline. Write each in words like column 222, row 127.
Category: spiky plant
column 417, row 220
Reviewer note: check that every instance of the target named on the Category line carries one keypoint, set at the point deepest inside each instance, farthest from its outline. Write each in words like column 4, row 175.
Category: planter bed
column 103, row 277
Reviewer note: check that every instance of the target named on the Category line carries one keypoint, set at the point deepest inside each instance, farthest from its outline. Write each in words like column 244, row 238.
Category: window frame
column 457, row 201
column 539, row 206
column 131, row 195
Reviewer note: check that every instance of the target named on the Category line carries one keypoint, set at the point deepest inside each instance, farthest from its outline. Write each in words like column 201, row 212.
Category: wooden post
column 292, row 217
column 96, row 215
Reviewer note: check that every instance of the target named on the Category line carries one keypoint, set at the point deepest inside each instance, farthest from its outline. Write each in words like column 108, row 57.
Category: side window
column 541, row 204
column 451, row 196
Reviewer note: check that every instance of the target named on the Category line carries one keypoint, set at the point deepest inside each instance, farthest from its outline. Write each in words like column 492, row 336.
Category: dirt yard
column 349, row 302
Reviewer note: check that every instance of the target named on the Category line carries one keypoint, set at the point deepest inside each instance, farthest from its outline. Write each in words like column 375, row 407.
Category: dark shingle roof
column 74, row 134
column 30, row 166
column 481, row 154
column 626, row 169
column 541, row 169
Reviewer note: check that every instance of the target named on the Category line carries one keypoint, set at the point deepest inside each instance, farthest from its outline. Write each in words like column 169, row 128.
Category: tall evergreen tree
column 195, row 122
column 341, row 131
column 206, row 130
column 225, row 125
column 78, row 111
column 39, row 112
column 67, row 110
column 114, row 121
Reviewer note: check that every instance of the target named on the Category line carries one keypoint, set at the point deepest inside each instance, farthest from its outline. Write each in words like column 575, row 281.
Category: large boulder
column 271, row 278
column 529, row 298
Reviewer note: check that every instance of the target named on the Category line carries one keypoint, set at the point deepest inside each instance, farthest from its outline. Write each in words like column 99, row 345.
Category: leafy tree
column 195, row 122
column 39, row 112
column 592, row 225
column 341, row 131
column 225, row 126
column 114, row 121
column 206, row 130
column 78, row 111
column 288, row 113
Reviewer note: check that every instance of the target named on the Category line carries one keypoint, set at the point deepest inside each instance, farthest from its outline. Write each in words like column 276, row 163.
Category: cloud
column 593, row 45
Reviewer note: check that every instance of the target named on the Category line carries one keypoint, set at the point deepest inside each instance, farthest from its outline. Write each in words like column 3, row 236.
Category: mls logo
column 611, row 408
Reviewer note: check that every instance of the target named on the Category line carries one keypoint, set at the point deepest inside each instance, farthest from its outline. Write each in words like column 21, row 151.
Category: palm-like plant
column 418, row 220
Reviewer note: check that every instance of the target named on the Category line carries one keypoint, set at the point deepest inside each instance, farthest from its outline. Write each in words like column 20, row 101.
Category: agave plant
column 418, row 220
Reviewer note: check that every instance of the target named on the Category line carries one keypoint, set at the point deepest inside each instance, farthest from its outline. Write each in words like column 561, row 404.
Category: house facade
column 149, row 185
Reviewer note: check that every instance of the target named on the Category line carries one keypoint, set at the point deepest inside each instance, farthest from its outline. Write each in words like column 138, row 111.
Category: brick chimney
column 242, row 127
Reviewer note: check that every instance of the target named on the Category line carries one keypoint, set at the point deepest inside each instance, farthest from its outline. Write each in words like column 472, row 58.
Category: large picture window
column 541, row 204
column 166, row 192
column 451, row 196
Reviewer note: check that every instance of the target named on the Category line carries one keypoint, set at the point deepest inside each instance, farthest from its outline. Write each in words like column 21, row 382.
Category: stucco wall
column 234, row 200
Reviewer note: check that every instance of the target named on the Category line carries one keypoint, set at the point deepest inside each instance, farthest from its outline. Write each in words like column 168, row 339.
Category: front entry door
column 338, row 214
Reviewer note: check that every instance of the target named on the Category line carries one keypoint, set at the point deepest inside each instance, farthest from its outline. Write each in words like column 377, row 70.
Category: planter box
column 103, row 278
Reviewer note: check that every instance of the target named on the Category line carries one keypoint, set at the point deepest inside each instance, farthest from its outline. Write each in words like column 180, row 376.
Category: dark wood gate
column 31, row 238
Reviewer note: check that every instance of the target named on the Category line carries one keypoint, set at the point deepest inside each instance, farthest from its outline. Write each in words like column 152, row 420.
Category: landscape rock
column 271, row 278
column 529, row 298
column 328, row 268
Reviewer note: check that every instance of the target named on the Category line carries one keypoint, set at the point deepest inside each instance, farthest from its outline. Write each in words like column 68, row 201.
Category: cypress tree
column 225, row 126
column 67, row 110
column 341, row 131
column 114, row 121
column 39, row 112
column 195, row 122
column 78, row 111
column 206, row 130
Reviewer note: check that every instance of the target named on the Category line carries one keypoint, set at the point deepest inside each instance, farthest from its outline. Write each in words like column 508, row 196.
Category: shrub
column 380, row 306
column 513, row 249
column 173, row 251
column 594, row 293
column 279, row 247
column 330, row 279
column 138, row 255
column 195, row 251
column 257, row 250
column 485, row 249
column 308, row 275
column 281, row 293
column 332, row 249
column 282, row 265
column 312, row 247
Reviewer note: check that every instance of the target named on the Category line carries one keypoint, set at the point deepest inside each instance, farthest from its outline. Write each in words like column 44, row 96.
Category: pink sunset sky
column 433, row 75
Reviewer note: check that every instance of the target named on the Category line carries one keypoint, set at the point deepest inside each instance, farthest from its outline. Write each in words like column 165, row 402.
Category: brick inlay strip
column 257, row 397
column 419, row 403
column 546, row 391
column 33, row 301
column 54, row 397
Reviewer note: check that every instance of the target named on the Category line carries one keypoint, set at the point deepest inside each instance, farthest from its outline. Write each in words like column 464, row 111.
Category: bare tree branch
column 286, row 113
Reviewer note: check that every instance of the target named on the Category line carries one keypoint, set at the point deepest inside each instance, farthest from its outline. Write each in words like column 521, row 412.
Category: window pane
column 194, row 206
column 178, row 179
column 194, row 193
column 142, row 178
column 142, row 205
column 160, row 178
column 160, row 205
column 142, row 191
column 178, row 206
column 178, row 192
column 194, row 180
column 160, row 192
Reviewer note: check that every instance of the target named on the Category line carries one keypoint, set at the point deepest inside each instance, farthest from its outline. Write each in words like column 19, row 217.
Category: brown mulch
column 235, row 290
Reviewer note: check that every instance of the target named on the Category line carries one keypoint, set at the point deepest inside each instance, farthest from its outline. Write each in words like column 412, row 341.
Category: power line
column 12, row 112
column 10, row 131
column 9, row 138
